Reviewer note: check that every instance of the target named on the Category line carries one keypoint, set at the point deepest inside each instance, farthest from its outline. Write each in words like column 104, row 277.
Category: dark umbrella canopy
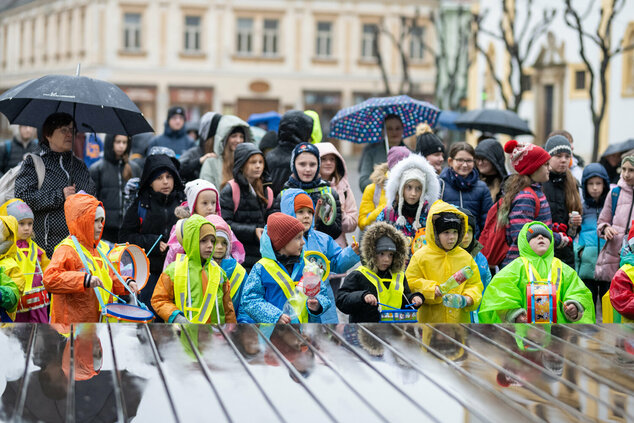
column 620, row 147
column 96, row 105
column 494, row 121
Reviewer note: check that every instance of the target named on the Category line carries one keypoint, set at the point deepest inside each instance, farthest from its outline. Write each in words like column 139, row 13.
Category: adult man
column 12, row 151
column 174, row 137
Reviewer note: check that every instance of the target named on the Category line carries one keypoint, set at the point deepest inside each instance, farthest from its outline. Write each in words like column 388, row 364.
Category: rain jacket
column 178, row 141
column 431, row 266
column 341, row 260
column 263, row 300
column 622, row 290
column 64, row 277
column 211, row 170
column 163, row 299
column 39, row 315
column 350, row 212
column 315, row 135
column 373, row 202
column 11, row 278
column 505, row 297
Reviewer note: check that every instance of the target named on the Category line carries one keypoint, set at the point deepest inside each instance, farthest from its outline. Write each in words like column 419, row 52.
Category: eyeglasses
column 66, row 130
column 464, row 161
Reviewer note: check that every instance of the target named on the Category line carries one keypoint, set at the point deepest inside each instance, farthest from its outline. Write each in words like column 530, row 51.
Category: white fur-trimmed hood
column 431, row 188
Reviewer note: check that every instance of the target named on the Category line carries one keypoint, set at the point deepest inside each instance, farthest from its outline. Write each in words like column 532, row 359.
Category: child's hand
column 575, row 220
column 355, row 248
column 417, row 301
column 163, row 246
column 370, row 299
column 259, row 232
column 284, row 319
column 133, row 286
column 571, row 311
column 437, row 292
column 312, row 304
column 609, row 232
column 522, row 318
column 94, row 282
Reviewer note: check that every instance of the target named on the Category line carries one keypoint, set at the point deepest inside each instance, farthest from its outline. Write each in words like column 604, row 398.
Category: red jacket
column 622, row 294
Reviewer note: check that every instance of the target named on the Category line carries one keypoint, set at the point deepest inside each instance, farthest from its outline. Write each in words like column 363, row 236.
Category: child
column 595, row 188
column 188, row 290
column 621, row 294
column 271, row 283
column 437, row 261
column 297, row 203
column 77, row 266
column 33, row 306
column 411, row 187
column 11, row 278
column 223, row 256
column 380, row 279
column 505, row 299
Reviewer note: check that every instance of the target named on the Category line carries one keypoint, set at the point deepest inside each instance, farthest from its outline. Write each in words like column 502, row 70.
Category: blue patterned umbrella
column 363, row 123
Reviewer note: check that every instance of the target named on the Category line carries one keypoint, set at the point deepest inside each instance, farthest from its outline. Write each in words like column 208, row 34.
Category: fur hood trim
column 368, row 246
column 431, row 188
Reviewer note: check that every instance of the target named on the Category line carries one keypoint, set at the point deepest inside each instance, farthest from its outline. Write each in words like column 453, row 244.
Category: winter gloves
column 454, row 300
column 562, row 229
column 180, row 319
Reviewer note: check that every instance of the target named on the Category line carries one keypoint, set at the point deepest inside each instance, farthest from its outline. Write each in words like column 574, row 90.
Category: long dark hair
column 514, row 184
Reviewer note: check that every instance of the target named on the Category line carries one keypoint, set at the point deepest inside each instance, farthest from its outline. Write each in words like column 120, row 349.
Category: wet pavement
column 343, row 373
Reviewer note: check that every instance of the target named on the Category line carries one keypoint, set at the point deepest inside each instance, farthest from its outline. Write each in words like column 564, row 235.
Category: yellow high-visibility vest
column 296, row 298
column 391, row 295
column 198, row 314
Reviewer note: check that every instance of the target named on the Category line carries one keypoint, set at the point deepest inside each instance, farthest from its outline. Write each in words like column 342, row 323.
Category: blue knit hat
column 305, row 148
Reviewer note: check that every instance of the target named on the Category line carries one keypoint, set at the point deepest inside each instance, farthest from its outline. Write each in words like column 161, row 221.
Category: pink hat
column 236, row 249
column 396, row 154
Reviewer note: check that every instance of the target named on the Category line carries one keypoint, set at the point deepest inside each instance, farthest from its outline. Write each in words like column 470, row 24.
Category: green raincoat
column 507, row 291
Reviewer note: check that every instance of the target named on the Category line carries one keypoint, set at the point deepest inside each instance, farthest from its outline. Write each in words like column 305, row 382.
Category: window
column 368, row 49
column 132, row 31
column 245, row 36
column 269, row 42
column 580, row 80
column 416, row 49
column 323, row 47
column 192, row 34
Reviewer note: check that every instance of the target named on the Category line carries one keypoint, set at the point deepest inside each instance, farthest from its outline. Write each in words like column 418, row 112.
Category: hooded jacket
column 373, row 200
column 64, row 277
column 349, row 209
column 190, row 159
column 262, row 299
column 507, row 291
column 251, row 212
column 178, row 141
column 350, row 298
column 163, row 299
column 431, row 266
column 295, row 128
column 107, row 174
column 211, row 170
column 47, row 202
column 159, row 211
column 622, row 289
column 11, row 278
column 493, row 151
column 588, row 245
column 341, row 260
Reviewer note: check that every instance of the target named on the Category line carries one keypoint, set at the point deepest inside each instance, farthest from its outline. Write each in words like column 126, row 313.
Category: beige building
column 232, row 56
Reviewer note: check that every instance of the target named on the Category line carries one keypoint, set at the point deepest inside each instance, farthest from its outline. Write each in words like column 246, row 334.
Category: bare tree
column 602, row 39
column 519, row 40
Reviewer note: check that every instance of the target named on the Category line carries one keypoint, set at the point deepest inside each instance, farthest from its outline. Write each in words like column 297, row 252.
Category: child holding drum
column 537, row 287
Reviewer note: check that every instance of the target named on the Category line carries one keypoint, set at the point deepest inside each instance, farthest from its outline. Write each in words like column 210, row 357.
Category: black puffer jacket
column 107, row 175
column 295, row 128
column 12, row 152
column 159, row 211
column 47, row 203
column 556, row 196
column 251, row 212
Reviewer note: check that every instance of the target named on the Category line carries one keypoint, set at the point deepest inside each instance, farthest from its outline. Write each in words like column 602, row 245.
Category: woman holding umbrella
column 64, row 175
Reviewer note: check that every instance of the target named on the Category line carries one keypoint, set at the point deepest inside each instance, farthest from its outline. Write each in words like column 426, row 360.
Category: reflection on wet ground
column 415, row 372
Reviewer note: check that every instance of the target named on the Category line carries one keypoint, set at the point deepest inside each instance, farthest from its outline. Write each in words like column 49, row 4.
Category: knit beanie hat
column 411, row 174
column 206, row 229
column 303, row 200
column 100, row 213
column 396, row 154
column 305, row 147
column 447, row 221
column 385, row 243
column 429, row 143
column 20, row 210
column 558, row 144
column 536, row 230
column 193, row 190
column 526, row 158
column 282, row 229
column 175, row 110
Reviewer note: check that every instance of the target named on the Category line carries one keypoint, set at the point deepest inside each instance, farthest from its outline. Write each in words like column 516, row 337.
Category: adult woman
column 489, row 156
column 110, row 175
column 463, row 188
column 65, row 175
column 231, row 131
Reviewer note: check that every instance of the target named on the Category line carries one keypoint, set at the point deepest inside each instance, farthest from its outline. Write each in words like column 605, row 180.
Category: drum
column 397, row 315
column 126, row 313
column 130, row 260
column 541, row 303
column 320, row 260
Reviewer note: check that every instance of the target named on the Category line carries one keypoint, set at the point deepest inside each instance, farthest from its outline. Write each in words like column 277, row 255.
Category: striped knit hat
column 526, row 158
column 558, row 144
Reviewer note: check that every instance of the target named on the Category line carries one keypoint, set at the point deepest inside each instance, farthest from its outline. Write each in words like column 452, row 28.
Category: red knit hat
column 282, row 228
column 303, row 200
column 526, row 158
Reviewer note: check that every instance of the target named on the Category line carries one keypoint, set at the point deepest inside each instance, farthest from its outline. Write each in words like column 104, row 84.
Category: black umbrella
column 620, row 147
column 495, row 121
column 97, row 106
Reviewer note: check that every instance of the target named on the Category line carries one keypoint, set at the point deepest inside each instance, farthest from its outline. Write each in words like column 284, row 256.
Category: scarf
column 557, row 178
column 463, row 183
column 296, row 183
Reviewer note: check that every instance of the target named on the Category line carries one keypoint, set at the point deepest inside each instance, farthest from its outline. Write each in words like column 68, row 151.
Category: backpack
column 493, row 236
column 235, row 192
column 7, row 182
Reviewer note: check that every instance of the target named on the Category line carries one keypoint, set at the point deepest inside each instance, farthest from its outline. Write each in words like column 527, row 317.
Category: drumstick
column 155, row 243
column 113, row 294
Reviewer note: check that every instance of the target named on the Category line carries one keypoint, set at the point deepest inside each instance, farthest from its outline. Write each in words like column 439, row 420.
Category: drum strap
column 107, row 261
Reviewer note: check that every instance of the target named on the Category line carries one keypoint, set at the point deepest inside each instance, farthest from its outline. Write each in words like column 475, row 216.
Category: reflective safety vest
column 610, row 315
column 237, row 277
column 543, row 306
column 95, row 266
column 33, row 298
column 296, row 298
column 391, row 295
column 199, row 313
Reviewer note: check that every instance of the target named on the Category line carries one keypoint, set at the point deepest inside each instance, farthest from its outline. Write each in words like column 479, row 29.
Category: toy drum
column 541, row 303
column 130, row 260
column 320, row 260
column 126, row 313
column 398, row 315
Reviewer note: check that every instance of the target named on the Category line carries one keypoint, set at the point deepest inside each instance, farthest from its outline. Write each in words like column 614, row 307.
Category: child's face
column 221, row 248
column 541, row 174
column 448, row 239
column 25, row 228
column 468, row 237
column 98, row 228
column 462, row 163
column 206, row 203
column 384, row 260
column 254, row 167
column 627, row 173
column 164, row 183
column 539, row 244
column 294, row 247
column 235, row 139
column 305, row 215
column 206, row 246
column 594, row 186
column 328, row 166
column 412, row 190
column 120, row 145
column 306, row 166
column 436, row 160
column 560, row 162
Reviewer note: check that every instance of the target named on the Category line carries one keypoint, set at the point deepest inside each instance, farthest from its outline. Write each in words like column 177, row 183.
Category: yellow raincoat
column 8, row 259
column 431, row 265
